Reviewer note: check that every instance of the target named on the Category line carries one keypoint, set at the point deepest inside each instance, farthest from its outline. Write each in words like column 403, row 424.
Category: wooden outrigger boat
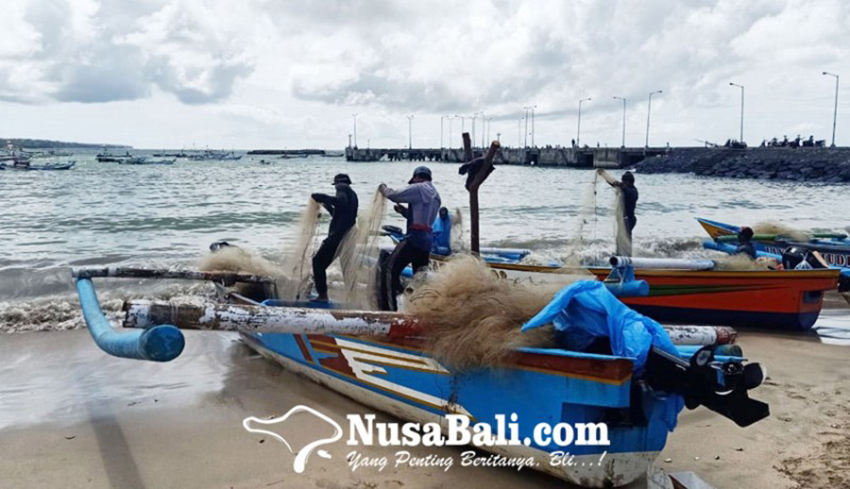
column 834, row 248
column 380, row 359
column 690, row 292
column 790, row 299
column 636, row 385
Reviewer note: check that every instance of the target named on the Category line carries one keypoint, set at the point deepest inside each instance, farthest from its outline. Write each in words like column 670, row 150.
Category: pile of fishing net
column 474, row 316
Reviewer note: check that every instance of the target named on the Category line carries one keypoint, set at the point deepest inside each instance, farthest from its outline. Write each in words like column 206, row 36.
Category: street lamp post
column 451, row 118
column 355, row 128
column 483, row 129
column 519, row 132
column 474, row 116
column 578, row 133
column 527, row 108
column 532, row 124
column 488, row 124
column 648, row 110
column 742, row 109
column 835, row 110
column 441, row 131
column 623, row 145
column 409, row 132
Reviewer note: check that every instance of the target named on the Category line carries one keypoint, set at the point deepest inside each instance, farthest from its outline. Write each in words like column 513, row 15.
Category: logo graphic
column 304, row 454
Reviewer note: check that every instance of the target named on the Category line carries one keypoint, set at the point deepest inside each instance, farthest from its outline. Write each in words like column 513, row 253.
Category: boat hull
column 789, row 299
column 548, row 386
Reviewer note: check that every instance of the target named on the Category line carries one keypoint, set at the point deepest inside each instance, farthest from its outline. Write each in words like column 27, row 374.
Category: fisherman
column 343, row 210
column 442, row 231
column 630, row 197
column 745, row 243
column 415, row 249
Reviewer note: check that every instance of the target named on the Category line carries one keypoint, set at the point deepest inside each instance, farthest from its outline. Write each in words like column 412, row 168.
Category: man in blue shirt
column 423, row 206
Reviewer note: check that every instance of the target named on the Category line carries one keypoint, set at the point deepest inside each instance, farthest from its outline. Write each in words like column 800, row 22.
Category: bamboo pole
column 120, row 272
column 299, row 320
column 263, row 319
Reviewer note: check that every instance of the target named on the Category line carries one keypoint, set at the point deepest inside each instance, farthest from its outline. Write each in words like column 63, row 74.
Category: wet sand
column 72, row 416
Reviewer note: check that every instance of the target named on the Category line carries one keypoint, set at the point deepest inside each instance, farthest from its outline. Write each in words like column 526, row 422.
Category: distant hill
column 42, row 143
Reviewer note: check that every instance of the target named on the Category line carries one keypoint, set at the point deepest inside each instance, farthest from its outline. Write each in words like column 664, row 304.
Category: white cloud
column 294, row 71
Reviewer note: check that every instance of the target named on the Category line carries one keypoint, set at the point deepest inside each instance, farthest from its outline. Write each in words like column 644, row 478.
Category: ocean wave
column 60, row 313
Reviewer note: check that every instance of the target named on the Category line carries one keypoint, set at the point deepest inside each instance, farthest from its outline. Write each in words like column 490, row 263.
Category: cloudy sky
column 290, row 73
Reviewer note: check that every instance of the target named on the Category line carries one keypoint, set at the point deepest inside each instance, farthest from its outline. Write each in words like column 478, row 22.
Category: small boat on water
column 26, row 166
column 380, row 359
column 107, row 157
column 143, row 160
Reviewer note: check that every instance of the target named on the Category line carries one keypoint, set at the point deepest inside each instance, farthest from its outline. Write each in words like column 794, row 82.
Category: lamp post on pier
column 532, row 124
column 835, row 110
column 483, row 128
column 519, row 132
column 623, row 145
column 451, row 118
column 527, row 108
column 355, row 128
column 578, row 133
column 409, row 132
column 648, row 111
column 442, row 131
column 742, row 110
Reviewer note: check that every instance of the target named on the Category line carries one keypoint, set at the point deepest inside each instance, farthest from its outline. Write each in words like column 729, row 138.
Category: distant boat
column 215, row 156
column 143, row 160
column 26, row 166
column 107, row 157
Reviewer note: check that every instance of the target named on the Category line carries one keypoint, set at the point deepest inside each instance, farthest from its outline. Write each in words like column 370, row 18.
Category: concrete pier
column 531, row 156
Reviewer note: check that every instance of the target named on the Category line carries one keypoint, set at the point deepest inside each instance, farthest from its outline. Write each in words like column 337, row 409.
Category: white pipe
column 661, row 263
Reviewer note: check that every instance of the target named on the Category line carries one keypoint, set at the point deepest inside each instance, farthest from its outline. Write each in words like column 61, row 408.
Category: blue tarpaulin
column 587, row 310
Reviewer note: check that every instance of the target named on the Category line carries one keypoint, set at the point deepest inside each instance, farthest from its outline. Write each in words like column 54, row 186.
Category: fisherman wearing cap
column 745, row 243
column 423, row 206
column 343, row 210
column 630, row 197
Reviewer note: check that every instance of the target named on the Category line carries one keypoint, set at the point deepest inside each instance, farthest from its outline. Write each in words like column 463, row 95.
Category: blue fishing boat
column 143, row 160
column 834, row 248
column 636, row 388
column 26, row 166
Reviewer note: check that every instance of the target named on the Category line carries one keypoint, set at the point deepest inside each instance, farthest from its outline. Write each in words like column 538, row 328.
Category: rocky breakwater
column 825, row 165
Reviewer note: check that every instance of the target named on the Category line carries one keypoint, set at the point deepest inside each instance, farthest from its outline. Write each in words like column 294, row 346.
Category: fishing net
column 359, row 254
column 293, row 281
column 458, row 243
column 474, row 316
column 622, row 239
column 777, row 228
column 743, row 262
column 237, row 260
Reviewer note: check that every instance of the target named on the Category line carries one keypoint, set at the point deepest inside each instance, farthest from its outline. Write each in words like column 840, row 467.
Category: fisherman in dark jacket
column 343, row 210
column 630, row 197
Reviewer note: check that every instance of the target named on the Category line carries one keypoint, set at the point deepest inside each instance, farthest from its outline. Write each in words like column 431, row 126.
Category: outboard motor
column 792, row 257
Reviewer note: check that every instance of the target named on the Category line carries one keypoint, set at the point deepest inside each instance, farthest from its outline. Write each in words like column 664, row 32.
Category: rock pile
column 825, row 165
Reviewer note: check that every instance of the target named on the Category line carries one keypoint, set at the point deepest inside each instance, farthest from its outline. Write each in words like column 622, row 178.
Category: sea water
column 105, row 214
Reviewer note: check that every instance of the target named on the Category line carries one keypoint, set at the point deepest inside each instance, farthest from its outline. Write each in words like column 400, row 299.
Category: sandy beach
column 74, row 417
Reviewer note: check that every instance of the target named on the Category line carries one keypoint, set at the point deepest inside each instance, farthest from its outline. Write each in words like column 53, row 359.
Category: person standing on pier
column 343, row 210
column 629, row 198
column 423, row 206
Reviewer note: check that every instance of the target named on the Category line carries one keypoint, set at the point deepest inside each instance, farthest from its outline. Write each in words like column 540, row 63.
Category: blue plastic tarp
column 586, row 310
